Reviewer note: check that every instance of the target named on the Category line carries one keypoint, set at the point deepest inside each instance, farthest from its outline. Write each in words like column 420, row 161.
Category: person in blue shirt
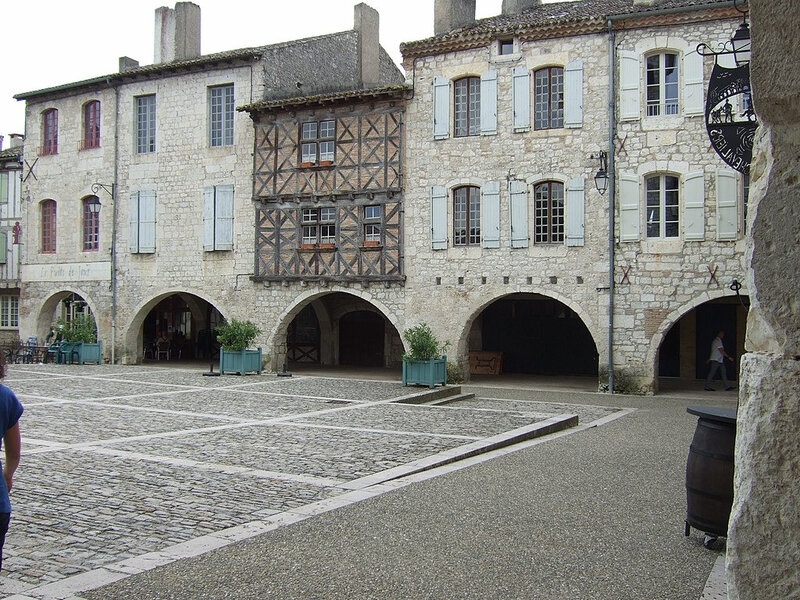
column 10, row 412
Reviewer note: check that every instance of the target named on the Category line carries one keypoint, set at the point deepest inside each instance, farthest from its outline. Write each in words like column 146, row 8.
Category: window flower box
column 325, row 163
column 371, row 244
column 305, row 165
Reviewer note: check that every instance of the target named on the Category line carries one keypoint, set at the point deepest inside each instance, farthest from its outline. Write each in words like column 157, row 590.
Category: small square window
column 372, row 212
column 309, row 131
column 506, row 47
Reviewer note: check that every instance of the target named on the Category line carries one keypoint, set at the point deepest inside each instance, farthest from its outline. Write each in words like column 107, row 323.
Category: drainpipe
column 114, row 212
column 612, row 132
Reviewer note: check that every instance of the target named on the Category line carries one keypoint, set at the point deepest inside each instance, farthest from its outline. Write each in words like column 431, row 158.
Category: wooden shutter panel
column 147, row 221
column 438, row 217
column 575, row 212
column 489, row 103
column 573, row 94
column 490, row 215
column 208, row 219
column 727, row 205
column 628, row 207
column 521, row 92
column 694, row 221
column 3, row 247
column 134, row 222
column 693, row 97
column 441, row 107
column 519, row 214
column 223, row 229
column 629, row 77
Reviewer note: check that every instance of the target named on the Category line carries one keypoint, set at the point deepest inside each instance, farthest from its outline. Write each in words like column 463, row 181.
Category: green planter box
column 240, row 361
column 425, row 372
column 80, row 352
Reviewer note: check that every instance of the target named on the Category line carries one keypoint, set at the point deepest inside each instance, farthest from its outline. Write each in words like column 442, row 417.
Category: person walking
column 716, row 362
column 10, row 411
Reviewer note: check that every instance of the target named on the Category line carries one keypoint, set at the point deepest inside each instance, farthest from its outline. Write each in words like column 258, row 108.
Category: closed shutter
column 573, row 92
column 134, row 222
column 489, row 103
column 693, row 98
column 441, row 107
column 628, row 207
column 490, row 215
column 438, row 217
column 521, row 92
column 575, row 212
column 147, row 221
column 519, row 214
column 694, row 221
column 223, row 227
column 208, row 219
column 727, row 205
column 3, row 247
column 629, row 77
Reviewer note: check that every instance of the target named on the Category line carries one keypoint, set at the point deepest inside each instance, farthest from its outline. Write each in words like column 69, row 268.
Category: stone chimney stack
column 1, row 142
column 126, row 63
column 367, row 23
column 452, row 14
column 513, row 7
column 177, row 32
column 17, row 140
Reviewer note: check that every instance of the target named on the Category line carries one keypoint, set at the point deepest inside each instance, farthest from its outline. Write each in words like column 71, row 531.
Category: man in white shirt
column 717, row 362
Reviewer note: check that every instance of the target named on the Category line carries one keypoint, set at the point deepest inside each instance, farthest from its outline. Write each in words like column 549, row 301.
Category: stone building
column 11, row 163
column 504, row 224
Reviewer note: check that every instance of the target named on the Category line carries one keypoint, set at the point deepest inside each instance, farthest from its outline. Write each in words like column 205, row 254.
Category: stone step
column 429, row 396
column 452, row 399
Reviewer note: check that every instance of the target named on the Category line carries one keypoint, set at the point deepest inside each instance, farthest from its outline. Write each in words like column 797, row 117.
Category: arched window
column 549, row 98
column 48, row 220
column 49, row 132
column 548, row 200
column 467, row 106
column 91, row 223
column 662, row 206
column 91, row 125
column 662, row 84
column 466, row 216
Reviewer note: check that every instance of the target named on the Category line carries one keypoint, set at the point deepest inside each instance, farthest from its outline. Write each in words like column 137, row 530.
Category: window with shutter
column 143, row 222
column 694, row 99
column 488, row 103
column 628, row 85
column 438, row 217
column 548, row 212
column 548, row 112
column 519, row 214
column 490, row 215
column 441, row 107
column 521, row 92
column 694, row 222
column 628, row 207
column 466, row 216
column 218, row 218
column 573, row 93
column 575, row 212
column 663, row 202
column 727, row 205
column 466, row 106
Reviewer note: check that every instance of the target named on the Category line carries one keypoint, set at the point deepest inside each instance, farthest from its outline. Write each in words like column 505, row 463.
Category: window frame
column 313, row 221
column 549, row 225
column 467, row 106
column 221, row 115
column 662, row 191
column 316, row 147
column 504, row 44
column 662, row 104
column 48, row 216
column 90, row 132
column 469, row 196
column 146, row 123
column 549, row 117
column 91, row 225
column 373, row 224
column 9, row 311
column 49, row 132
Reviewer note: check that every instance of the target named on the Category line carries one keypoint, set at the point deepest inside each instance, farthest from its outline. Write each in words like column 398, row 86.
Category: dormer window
column 505, row 47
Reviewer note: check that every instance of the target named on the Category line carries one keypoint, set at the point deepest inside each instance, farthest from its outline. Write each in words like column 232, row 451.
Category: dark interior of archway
column 303, row 337
column 538, row 336
column 171, row 321
column 361, row 335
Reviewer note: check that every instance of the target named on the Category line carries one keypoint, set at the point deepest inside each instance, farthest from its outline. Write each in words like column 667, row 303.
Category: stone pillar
column 763, row 549
column 512, row 7
column 452, row 14
column 367, row 24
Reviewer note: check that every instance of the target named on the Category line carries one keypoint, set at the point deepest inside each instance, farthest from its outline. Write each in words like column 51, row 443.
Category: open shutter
column 489, row 103
column 147, row 221
column 693, row 98
column 490, row 215
column 521, row 92
column 223, row 230
column 3, row 247
column 629, row 77
column 727, row 205
column 134, row 222
column 438, row 217
column 519, row 214
column 573, row 94
column 694, row 221
column 441, row 108
column 575, row 216
column 628, row 207
column 208, row 219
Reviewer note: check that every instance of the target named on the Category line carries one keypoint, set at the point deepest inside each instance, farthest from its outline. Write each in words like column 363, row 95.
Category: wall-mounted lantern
column 601, row 178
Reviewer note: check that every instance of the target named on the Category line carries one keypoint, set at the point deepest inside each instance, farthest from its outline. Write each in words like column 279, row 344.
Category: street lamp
column 601, row 178
column 741, row 44
column 94, row 206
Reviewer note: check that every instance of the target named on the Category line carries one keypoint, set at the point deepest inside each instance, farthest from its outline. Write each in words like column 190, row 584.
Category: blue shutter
column 519, row 214
column 223, row 229
column 490, row 215
column 489, row 103
column 575, row 212
column 208, row 219
column 694, row 100
column 629, row 76
column 441, row 108
column 438, row 217
column 147, row 221
column 3, row 247
column 134, row 222
column 628, row 207
column 573, row 93
column 694, row 206
column 521, row 92
column 727, row 204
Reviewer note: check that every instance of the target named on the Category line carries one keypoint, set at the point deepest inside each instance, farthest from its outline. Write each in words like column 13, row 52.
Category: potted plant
column 425, row 363
column 80, row 340
column 234, row 356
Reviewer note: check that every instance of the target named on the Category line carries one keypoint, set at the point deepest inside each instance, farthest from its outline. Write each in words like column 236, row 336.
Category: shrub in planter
column 234, row 356
column 425, row 364
column 80, row 340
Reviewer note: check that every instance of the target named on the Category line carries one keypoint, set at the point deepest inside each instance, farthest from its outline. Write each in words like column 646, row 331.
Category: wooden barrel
column 709, row 472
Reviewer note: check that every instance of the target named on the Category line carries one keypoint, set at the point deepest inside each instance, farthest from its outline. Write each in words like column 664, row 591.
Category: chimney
column 643, row 3
column 126, row 63
column 16, row 140
column 1, row 142
column 366, row 23
column 177, row 33
column 513, row 7
column 452, row 14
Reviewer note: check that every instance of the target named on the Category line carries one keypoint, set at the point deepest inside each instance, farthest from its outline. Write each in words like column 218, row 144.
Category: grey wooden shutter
column 147, row 221
column 628, row 207
column 694, row 192
column 573, row 94
column 134, row 223
column 208, row 219
column 438, row 217
column 693, row 98
column 519, row 214
column 490, row 215
column 3, row 247
column 629, row 77
column 521, row 92
column 575, row 212
column 441, row 107
column 223, row 218
column 489, row 103
column 727, row 205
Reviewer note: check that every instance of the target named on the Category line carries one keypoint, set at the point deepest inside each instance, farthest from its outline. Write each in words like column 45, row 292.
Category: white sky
column 45, row 43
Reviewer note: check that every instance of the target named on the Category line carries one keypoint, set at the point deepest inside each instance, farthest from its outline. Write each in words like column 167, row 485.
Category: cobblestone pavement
column 119, row 462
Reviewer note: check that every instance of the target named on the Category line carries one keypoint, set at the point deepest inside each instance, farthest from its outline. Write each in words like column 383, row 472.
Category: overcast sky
column 52, row 42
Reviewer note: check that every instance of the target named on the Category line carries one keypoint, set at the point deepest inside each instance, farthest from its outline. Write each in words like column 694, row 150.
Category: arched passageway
column 179, row 326
column 60, row 308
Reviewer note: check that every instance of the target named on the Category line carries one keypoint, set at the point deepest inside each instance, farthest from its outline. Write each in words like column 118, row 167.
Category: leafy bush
column 454, row 373
column 423, row 343
column 237, row 335
column 81, row 328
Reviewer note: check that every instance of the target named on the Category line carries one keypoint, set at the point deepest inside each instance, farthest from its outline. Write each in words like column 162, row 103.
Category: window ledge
column 317, row 248
column 323, row 164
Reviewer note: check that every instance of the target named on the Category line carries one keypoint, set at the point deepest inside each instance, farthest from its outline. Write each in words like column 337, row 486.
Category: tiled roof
column 15, row 152
column 553, row 20
column 319, row 99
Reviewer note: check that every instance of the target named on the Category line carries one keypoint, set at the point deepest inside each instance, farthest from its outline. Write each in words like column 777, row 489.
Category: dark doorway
column 181, row 327
column 302, row 339
column 361, row 339
column 711, row 317
column 669, row 355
